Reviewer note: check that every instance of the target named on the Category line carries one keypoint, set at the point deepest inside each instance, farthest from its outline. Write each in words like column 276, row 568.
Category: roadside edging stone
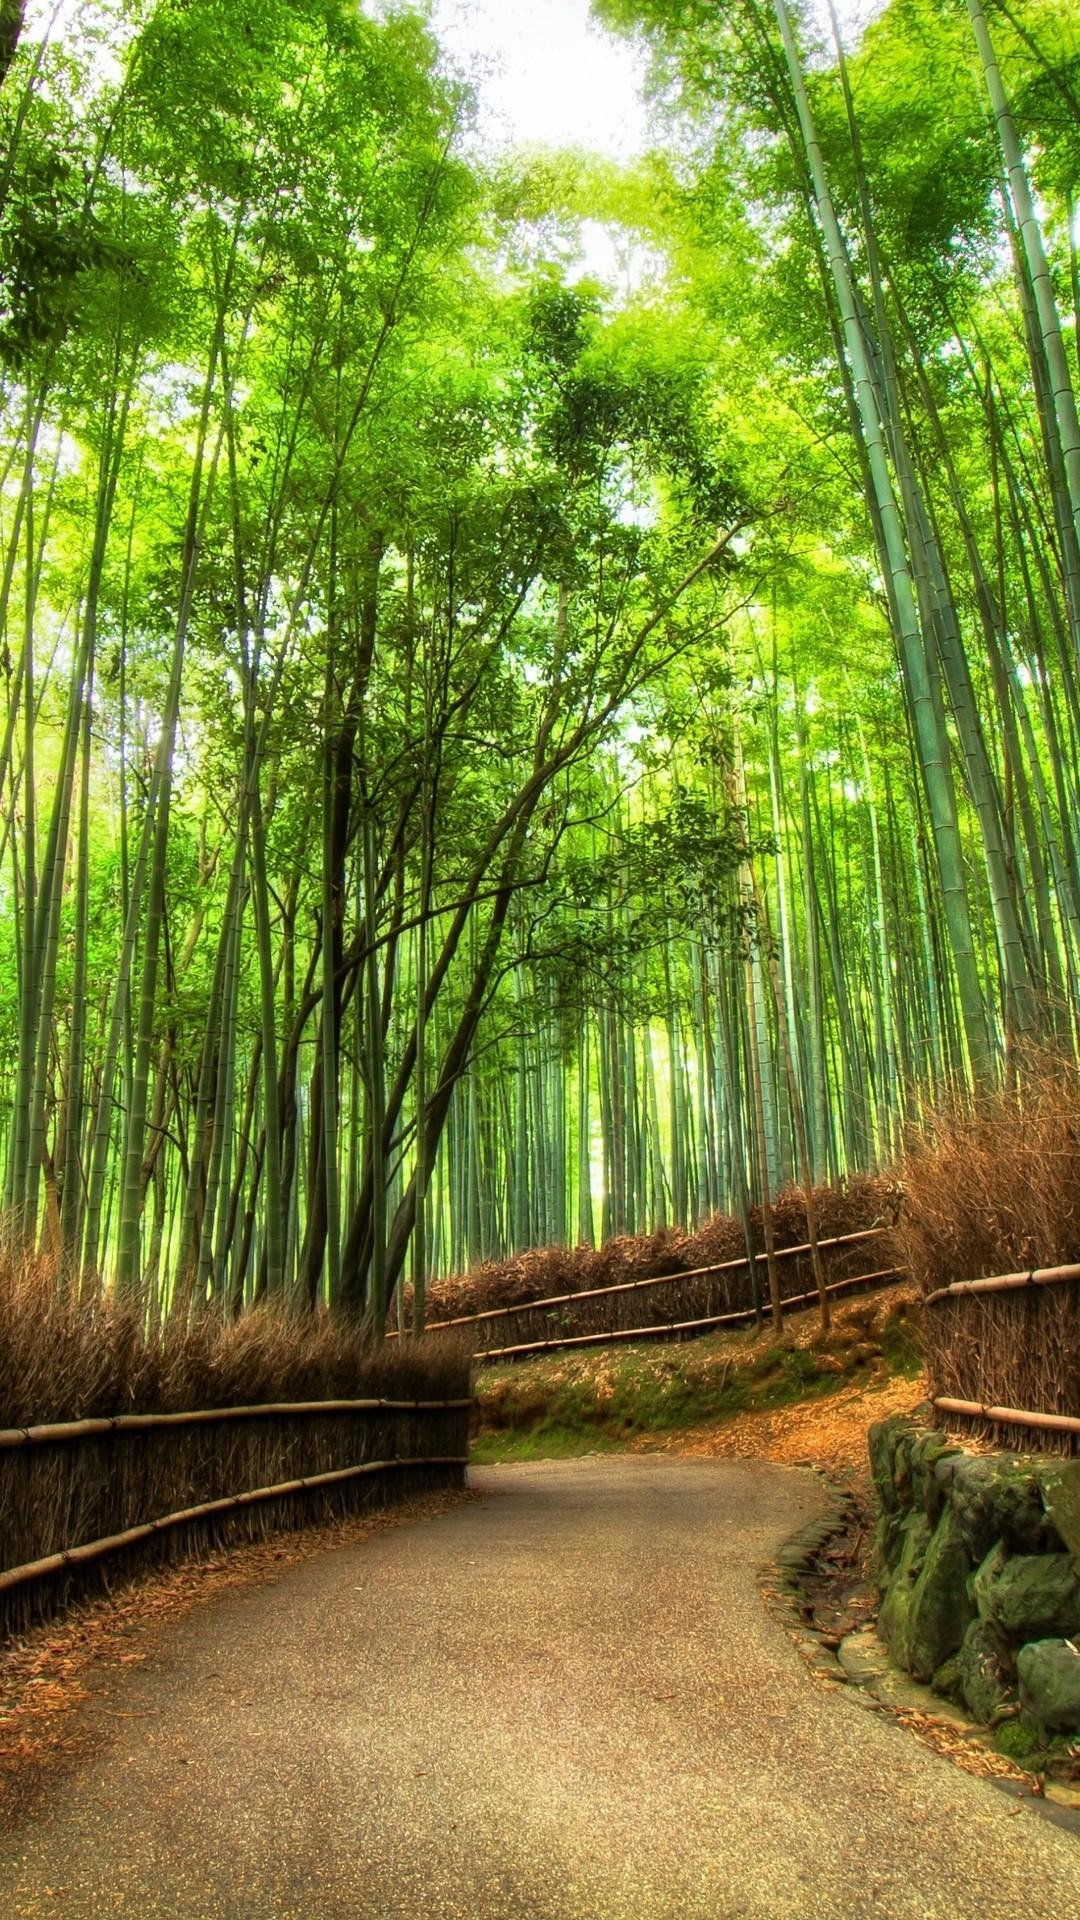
column 859, row 1661
column 781, row 1580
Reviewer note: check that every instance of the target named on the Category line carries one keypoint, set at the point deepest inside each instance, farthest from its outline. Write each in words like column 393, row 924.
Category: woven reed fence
column 77, row 1496
column 673, row 1305
column 1003, row 1356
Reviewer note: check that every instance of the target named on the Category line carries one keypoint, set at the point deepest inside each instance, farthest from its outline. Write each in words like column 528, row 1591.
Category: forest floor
column 805, row 1399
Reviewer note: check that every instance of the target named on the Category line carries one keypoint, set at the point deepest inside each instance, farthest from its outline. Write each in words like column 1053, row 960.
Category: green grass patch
column 540, row 1443
column 562, row 1405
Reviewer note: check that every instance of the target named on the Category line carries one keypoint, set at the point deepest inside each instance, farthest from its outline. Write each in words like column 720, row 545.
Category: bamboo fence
column 663, row 1306
column 689, row 1329
column 1003, row 1355
column 75, row 1493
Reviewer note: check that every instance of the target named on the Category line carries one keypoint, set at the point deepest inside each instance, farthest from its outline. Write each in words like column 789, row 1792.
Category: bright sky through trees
column 550, row 76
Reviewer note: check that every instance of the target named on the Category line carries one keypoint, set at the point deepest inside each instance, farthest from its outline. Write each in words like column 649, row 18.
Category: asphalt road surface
column 564, row 1702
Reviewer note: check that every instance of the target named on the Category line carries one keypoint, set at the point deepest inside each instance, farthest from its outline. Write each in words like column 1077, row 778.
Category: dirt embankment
column 808, row 1396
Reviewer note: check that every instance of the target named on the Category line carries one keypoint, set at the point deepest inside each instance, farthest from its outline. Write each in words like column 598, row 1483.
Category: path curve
column 564, row 1702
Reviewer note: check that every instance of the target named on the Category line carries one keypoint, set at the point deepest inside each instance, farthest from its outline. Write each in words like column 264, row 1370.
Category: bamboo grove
column 490, row 755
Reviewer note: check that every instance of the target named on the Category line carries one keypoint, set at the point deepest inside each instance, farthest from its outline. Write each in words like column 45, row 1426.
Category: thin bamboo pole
column 655, row 1280
column 206, row 1416
column 1006, row 1283
column 1009, row 1416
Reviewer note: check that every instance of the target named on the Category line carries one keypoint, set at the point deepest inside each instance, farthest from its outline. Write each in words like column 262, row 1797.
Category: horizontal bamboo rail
column 742, row 1318
column 97, row 1549
column 1006, row 1283
column 205, row 1416
column 1009, row 1416
column 651, row 1280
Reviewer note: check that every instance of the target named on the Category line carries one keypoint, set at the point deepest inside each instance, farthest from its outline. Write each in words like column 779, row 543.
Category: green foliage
column 482, row 663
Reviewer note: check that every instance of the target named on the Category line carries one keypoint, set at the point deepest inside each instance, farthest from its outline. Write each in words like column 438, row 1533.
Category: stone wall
column 978, row 1558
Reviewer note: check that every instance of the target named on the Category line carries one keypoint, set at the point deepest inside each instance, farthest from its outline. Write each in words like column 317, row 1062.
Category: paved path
column 565, row 1702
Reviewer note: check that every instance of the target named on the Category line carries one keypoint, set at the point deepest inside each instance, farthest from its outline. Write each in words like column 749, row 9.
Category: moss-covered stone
column 985, row 1684
column 999, row 1497
column 903, row 1479
column 1028, row 1596
column 928, row 1488
column 1020, row 1514
column 946, row 1680
column 1049, row 1672
column 939, row 1607
column 986, row 1574
column 883, row 1439
column 969, row 1494
column 944, row 1471
column 927, row 1605
column 886, row 1546
column 1061, row 1495
column 894, row 1620
column 941, row 1511
column 1020, row 1743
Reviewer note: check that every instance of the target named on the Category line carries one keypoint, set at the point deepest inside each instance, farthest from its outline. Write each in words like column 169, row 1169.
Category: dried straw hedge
column 663, row 1302
column 994, row 1188
column 62, row 1362
column 864, row 1201
column 1018, row 1350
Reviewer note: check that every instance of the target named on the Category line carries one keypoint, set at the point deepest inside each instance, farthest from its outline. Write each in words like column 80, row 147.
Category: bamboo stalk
column 1006, row 1283
column 97, row 1549
column 742, row 1318
column 1009, row 1416
column 897, row 566
column 205, row 1416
